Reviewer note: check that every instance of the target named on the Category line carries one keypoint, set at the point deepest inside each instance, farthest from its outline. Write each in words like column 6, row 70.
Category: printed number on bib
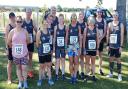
column 100, row 33
column 46, row 48
column 113, row 38
column 31, row 38
column 18, row 49
column 92, row 44
column 73, row 39
column 60, row 41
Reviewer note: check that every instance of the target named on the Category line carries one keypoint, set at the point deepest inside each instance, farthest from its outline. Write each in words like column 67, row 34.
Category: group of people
column 81, row 41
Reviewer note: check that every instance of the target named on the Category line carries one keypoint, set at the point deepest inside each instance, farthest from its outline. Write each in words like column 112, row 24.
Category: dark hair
column 11, row 15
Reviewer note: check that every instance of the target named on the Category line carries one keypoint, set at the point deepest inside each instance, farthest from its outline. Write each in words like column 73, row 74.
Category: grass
column 102, row 83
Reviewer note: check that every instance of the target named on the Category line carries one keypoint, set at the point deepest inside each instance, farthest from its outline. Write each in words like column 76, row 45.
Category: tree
column 59, row 8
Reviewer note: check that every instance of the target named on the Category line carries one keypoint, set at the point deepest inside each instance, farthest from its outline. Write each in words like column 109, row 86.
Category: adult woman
column 82, row 25
column 115, row 37
column 9, row 27
column 44, row 52
column 90, row 43
column 59, row 44
column 101, row 25
column 74, row 45
column 18, row 40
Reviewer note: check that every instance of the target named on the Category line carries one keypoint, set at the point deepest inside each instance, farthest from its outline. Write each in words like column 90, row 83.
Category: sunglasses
column 19, row 21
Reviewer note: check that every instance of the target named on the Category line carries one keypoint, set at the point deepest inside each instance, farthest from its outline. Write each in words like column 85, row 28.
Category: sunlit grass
column 102, row 83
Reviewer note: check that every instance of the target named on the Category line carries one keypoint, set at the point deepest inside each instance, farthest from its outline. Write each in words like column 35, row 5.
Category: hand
column 120, row 49
column 6, row 51
column 107, row 48
column 79, row 52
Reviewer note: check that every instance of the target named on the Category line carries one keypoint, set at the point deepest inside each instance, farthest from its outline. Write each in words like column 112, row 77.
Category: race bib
column 30, row 38
column 51, row 39
column 100, row 33
column 46, row 48
column 73, row 39
column 18, row 49
column 60, row 41
column 113, row 38
column 92, row 44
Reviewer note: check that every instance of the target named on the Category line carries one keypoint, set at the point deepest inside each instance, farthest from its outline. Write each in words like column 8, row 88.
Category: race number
column 18, row 49
column 92, row 44
column 113, row 38
column 46, row 48
column 30, row 38
column 73, row 39
column 60, row 41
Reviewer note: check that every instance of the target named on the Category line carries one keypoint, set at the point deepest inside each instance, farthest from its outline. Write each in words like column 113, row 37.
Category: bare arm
column 34, row 26
column 54, row 39
column 27, row 37
column 105, row 29
column 122, row 34
column 67, row 29
column 9, row 39
column 84, row 37
column 97, row 38
column 80, row 40
column 38, row 38
column 6, row 34
column 108, row 32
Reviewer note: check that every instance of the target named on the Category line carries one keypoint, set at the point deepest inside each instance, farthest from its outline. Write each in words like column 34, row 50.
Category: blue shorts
column 60, row 53
column 72, row 53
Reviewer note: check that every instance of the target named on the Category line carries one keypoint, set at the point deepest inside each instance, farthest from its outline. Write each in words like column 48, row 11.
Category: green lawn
column 102, row 83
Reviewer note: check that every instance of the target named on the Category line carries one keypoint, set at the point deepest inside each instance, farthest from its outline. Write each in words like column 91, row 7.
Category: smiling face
column 115, row 16
column 49, row 19
column 45, row 24
column 61, row 19
column 91, row 21
column 73, row 18
column 81, row 16
column 99, row 13
column 53, row 11
column 19, row 21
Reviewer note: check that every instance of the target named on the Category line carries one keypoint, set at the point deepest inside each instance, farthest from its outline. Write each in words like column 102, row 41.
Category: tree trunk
column 121, row 8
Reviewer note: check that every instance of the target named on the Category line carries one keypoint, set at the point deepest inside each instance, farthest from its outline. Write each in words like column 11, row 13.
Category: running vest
column 44, row 47
column 91, row 37
column 19, row 44
column 55, row 22
column 73, row 35
column 100, row 26
column 29, row 27
column 11, row 27
column 115, row 36
column 82, row 26
column 60, row 37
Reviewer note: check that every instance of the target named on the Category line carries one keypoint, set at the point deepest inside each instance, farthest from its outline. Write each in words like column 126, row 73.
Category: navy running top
column 44, row 47
column 60, row 37
column 82, row 26
column 73, row 34
column 115, row 36
column 91, row 40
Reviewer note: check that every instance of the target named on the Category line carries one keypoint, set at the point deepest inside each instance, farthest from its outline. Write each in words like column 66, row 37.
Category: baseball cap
column 11, row 15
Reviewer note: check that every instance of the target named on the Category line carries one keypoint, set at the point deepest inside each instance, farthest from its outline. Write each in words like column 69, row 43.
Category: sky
column 63, row 3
